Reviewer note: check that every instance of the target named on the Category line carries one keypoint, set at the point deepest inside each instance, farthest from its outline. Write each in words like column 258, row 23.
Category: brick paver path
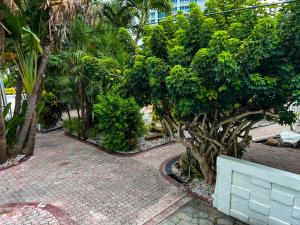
column 287, row 159
column 26, row 215
column 91, row 186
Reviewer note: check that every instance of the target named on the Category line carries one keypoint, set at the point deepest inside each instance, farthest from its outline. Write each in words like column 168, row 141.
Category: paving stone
column 225, row 221
column 206, row 215
column 119, row 190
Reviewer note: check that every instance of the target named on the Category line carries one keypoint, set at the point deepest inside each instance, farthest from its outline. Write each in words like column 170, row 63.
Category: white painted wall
column 257, row 194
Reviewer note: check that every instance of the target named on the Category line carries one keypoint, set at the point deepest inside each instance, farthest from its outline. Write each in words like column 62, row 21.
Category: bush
column 73, row 126
column 50, row 110
column 9, row 82
column 121, row 122
column 10, row 91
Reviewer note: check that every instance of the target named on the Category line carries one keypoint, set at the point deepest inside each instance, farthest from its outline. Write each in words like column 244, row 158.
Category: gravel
column 144, row 145
column 200, row 187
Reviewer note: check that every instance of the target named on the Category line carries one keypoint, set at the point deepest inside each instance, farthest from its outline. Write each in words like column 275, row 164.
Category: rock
column 289, row 138
column 272, row 142
column 133, row 142
column 153, row 136
column 20, row 157
column 157, row 130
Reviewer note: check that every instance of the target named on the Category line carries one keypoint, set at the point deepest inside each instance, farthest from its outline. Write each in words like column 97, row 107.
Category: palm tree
column 143, row 8
column 60, row 14
column 11, row 5
column 122, row 13
column 118, row 13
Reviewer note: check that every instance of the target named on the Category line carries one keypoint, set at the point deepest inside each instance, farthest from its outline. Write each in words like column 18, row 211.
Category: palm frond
column 12, row 6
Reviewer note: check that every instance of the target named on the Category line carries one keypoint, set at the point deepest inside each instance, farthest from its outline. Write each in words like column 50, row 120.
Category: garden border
column 68, row 134
column 20, row 162
column 55, row 211
column 179, row 185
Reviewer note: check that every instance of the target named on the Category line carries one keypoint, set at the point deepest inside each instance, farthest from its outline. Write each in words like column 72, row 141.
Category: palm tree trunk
column 68, row 111
column 29, row 146
column 3, row 155
column 82, row 109
column 18, row 100
column 32, row 103
column 77, row 109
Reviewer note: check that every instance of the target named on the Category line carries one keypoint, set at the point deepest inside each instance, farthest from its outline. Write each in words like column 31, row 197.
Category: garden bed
column 13, row 161
column 197, row 187
column 143, row 145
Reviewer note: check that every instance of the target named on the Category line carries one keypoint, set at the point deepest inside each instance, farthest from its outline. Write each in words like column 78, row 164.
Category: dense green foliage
column 49, row 110
column 12, row 125
column 214, row 77
column 120, row 122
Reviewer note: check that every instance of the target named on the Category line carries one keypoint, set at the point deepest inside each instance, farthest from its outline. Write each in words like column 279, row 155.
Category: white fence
column 257, row 194
column 296, row 109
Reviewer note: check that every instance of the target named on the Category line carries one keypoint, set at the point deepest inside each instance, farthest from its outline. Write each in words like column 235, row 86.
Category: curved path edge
column 179, row 185
column 58, row 213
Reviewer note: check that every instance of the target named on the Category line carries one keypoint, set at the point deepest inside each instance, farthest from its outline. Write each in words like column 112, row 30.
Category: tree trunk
column 77, row 109
column 68, row 111
column 29, row 146
column 209, row 138
column 32, row 103
column 3, row 155
column 208, row 173
column 18, row 100
column 82, row 109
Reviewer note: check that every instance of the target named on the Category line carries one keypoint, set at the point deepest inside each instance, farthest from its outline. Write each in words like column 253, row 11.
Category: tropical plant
column 133, row 13
column 12, row 125
column 57, row 16
column 120, row 122
column 49, row 110
column 212, row 92
column 118, row 13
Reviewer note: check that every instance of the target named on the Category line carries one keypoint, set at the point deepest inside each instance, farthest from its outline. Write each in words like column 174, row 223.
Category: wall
column 257, row 194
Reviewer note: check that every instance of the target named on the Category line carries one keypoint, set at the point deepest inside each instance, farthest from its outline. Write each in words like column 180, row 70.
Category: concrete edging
column 179, row 185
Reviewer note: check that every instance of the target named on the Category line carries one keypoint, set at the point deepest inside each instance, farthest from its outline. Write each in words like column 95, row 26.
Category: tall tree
column 58, row 16
column 228, row 82
column 133, row 12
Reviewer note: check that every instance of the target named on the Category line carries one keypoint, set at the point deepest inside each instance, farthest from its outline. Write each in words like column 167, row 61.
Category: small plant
column 12, row 125
column 121, row 122
column 50, row 110
column 73, row 125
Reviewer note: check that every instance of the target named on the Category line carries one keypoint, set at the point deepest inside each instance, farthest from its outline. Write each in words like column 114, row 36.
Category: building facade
column 178, row 5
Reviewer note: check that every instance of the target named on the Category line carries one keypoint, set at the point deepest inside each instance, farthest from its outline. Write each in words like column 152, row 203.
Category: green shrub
column 50, row 110
column 73, row 126
column 121, row 122
column 9, row 81
column 10, row 91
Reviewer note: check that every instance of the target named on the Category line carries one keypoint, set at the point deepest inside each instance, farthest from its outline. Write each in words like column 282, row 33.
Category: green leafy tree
column 220, row 87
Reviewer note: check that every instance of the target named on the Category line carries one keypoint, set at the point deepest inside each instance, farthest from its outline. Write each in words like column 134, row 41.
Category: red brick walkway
column 93, row 187
column 90, row 186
